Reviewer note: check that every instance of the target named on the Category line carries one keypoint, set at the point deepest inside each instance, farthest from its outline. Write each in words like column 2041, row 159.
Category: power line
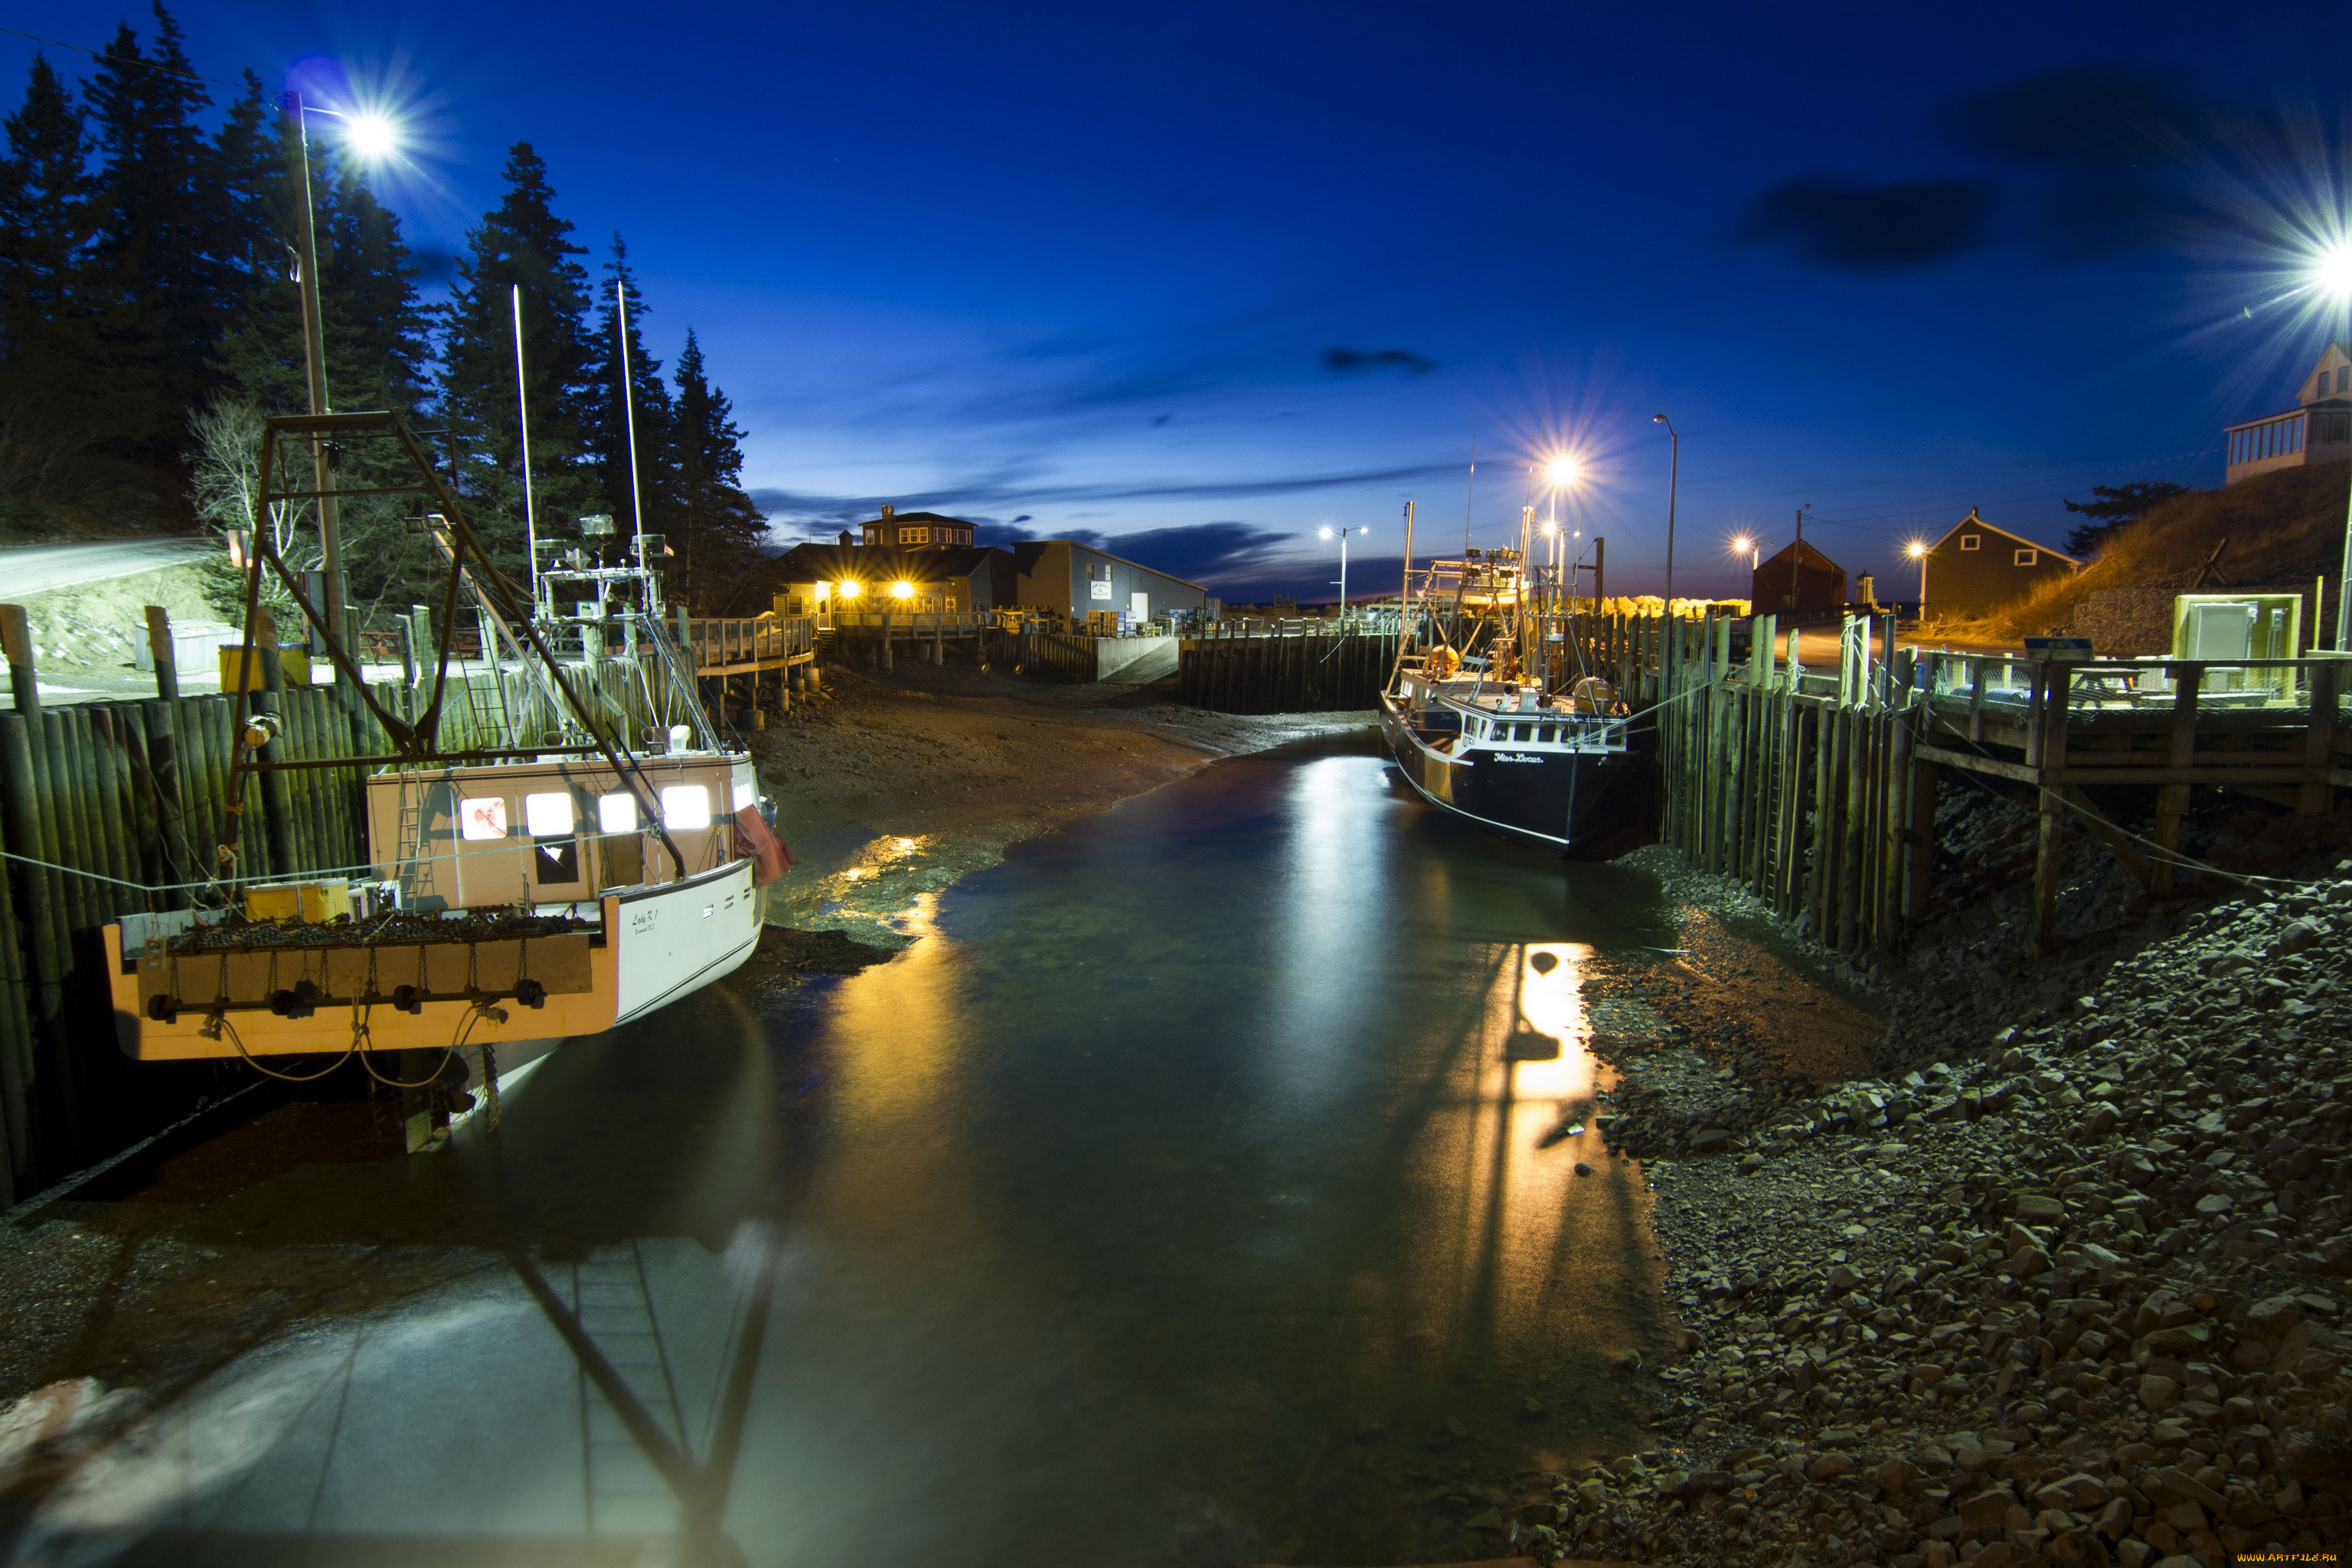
column 2039, row 479
column 125, row 60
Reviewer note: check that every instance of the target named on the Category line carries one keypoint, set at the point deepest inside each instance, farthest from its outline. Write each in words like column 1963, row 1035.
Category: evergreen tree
column 655, row 481
column 60, row 389
column 159, row 225
column 718, row 529
column 370, row 288
column 521, row 242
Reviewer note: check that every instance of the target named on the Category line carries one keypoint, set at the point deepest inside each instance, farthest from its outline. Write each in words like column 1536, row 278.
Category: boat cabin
column 552, row 831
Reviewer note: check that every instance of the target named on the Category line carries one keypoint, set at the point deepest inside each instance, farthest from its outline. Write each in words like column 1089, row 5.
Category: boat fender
column 163, row 1009
column 297, row 1003
column 407, row 999
column 531, row 993
column 755, row 838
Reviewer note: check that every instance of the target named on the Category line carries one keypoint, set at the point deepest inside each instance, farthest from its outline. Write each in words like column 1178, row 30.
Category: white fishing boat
column 557, row 881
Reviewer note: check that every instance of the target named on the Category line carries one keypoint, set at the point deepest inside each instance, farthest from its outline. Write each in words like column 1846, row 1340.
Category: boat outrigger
column 543, row 878
column 1489, row 717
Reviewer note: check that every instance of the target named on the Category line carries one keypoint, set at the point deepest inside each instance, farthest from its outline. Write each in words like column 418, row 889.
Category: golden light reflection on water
column 1514, row 1254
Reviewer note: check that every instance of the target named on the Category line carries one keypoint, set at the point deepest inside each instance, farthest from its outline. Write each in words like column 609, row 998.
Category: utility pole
column 314, row 365
column 1673, row 483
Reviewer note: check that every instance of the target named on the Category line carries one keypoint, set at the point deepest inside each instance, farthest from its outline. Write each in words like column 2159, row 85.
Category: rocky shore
column 2057, row 1279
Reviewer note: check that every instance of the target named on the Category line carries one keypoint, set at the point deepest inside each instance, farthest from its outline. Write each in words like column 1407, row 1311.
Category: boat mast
column 522, row 411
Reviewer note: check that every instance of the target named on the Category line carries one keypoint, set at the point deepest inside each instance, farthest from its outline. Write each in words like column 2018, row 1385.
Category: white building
column 2317, row 430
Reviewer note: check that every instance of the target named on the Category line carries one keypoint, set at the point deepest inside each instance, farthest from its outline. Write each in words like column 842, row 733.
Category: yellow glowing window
column 617, row 813
column 686, row 806
column 483, row 816
column 546, row 815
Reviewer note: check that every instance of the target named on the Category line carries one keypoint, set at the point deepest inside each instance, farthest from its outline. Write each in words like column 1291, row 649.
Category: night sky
column 1197, row 280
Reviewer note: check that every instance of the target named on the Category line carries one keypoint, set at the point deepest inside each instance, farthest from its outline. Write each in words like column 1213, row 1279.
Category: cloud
column 1843, row 224
column 2082, row 162
column 975, row 499
column 1350, row 361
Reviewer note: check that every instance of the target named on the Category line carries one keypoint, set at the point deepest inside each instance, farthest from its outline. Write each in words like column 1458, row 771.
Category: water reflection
column 1196, row 1182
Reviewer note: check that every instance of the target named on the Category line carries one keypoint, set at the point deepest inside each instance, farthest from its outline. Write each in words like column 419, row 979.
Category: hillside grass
column 2283, row 529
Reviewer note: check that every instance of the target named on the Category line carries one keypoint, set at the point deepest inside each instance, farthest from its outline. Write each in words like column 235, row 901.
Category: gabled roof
column 1811, row 557
column 917, row 517
column 880, row 563
column 1027, row 551
column 1973, row 522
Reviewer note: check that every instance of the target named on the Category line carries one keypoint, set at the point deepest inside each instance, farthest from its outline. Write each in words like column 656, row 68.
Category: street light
column 2330, row 272
column 1326, row 534
column 1673, row 483
column 1918, row 550
column 370, row 136
column 1744, row 546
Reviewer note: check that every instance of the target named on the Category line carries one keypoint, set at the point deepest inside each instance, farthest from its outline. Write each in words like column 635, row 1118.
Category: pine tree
column 159, row 225
column 719, row 530
column 370, row 288
column 521, row 242
column 653, row 482
column 61, row 388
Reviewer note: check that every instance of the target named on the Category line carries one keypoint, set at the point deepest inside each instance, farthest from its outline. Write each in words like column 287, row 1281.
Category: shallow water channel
column 1171, row 1200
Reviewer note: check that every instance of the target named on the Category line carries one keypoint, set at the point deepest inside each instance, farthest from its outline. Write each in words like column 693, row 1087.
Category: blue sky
column 1199, row 279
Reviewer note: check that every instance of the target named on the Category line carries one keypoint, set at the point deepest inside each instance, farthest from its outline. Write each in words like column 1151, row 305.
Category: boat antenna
column 1470, row 500
column 522, row 410
column 629, row 419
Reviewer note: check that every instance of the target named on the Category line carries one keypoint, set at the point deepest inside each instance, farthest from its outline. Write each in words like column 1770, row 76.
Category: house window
column 2343, row 379
column 1971, row 540
column 2027, row 557
column 913, row 536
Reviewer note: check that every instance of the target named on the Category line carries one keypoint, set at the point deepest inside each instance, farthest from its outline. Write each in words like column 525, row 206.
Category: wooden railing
column 761, row 642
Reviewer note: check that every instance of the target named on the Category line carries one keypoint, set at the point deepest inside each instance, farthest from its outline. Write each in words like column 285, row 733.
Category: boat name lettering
column 642, row 920
column 1515, row 757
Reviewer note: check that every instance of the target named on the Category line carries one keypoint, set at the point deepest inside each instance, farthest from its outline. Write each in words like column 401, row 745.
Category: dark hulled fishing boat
column 1478, row 730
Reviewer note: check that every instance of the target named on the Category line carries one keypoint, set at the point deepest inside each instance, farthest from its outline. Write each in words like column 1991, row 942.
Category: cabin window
column 745, row 796
column 546, row 815
column 483, row 816
column 617, row 813
column 2027, row 557
column 686, row 806
column 1971, row 540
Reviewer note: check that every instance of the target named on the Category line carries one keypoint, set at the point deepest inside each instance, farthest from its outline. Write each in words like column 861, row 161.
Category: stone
column 2158, row 1394
column 1893, row 1475
column 2181, row 1484
column 1582, row 1169
column 2027, row 1262
column 2298, row 935
column 2035, row 1209
column 1928, row 1372
column 2216, row 1203
column 1828, row 1467
column 1987, row 1510
column 1708, row 1140
column 2274, row 1316
column 2079, row 1492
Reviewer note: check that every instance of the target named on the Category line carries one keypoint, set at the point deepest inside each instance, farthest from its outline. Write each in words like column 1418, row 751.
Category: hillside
column 2278, row 531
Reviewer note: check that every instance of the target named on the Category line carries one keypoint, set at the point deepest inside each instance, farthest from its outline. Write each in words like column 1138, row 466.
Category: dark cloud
column 798, row 509
column 1840, row 223
column 2079, row 162
column 1348, row 361
column 2111, row 160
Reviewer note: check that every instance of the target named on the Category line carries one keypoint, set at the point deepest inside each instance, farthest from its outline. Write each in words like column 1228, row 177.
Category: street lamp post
column 1343, row 566
column 1918, row 550
column 372, row 136
column 1673, row 483
column 314, row 365
column 2329, row 271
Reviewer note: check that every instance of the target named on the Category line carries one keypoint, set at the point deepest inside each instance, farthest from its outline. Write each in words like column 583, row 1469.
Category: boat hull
column 1579, row 805
column 652, row 946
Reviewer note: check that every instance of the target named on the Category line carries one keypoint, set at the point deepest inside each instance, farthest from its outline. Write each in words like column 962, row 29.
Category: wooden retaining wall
column 1306, row 672
column 133, row 793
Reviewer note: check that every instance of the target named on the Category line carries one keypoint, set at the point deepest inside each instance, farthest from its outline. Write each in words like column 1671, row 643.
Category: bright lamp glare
column 1914, row 550
column 902, row 590
column 2331, row 269
column 1742, row 545
column 372, row 136
column 1563, row 471
column 1323, row 533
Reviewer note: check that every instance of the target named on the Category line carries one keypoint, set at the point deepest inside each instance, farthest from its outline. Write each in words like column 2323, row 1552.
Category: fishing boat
column 1525, row 743
column 550, row 875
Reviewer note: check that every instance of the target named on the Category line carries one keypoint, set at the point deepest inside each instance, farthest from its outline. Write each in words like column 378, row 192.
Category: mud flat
column 2048, row 1268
